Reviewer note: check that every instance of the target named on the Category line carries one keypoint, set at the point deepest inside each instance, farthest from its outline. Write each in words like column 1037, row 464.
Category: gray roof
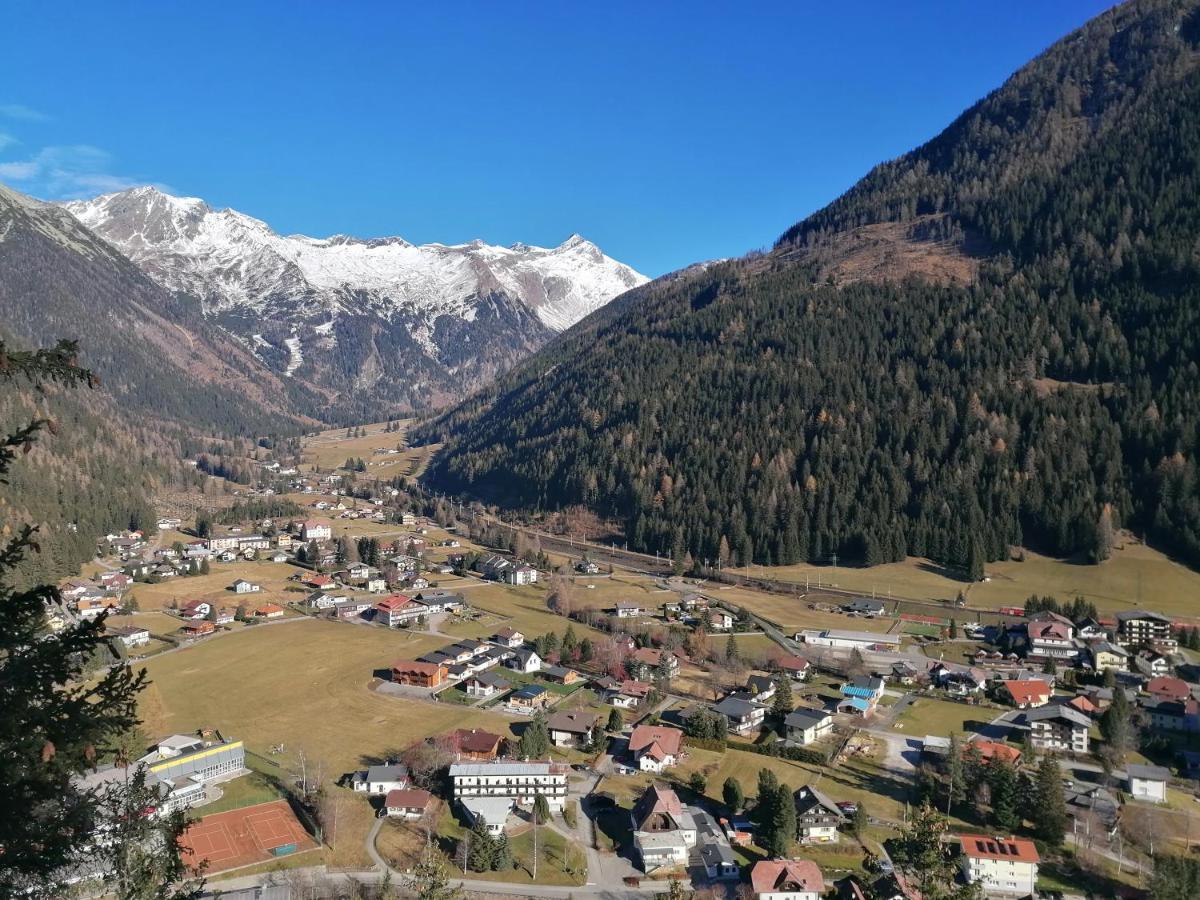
column 1148, row 773
column 1129, row 614
column 809, row 797
column 715, row 854
column 805, row 717
column 501, row 768
column 1057, row 711
column 387, row 773
column 736, row 708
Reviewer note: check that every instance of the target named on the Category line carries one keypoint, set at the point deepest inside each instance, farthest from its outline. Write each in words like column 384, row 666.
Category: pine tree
column 783, row 834
column 616, row 721
column 138, row 867
column 782, row 703
column 1006, row 801
column 955, row 773
column 1116, row 727
column 54, row 722
column 731, row 793
column 975, row 560
column 1049, row 812
column 921, row 852
column 502, row 858
column 431, row 877
column 482, row 848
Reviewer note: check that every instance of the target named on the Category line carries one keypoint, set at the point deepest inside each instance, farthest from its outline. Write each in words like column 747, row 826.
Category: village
column 551, row 720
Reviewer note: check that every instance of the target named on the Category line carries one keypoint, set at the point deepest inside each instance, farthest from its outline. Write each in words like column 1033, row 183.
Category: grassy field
column 272, row 576
column 1135, row 576
column 559, row 862
column 303, row 685
column 926, row 715
column 524, row 608
column 330, row 449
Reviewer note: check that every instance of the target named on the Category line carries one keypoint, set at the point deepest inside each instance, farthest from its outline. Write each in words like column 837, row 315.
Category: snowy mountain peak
column 375, row 317
column 234, row 262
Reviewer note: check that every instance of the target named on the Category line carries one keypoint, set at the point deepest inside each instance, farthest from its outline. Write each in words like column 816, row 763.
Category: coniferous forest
column 1022, row 368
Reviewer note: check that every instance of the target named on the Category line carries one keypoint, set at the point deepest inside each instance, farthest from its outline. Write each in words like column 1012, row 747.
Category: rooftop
column 979, row 846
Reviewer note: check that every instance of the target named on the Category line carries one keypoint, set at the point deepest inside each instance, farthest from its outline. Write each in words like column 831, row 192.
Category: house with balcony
column 742, row 715
column 817, row 817
column 490, row 790
column 655, row 747
column 806, row 726
column 1001, row 865
column 664, row 831
column 1060, row 728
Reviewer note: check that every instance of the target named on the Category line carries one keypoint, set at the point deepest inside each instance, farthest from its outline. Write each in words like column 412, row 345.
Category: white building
column 379, row 780
column 1147, row 782
column 1003, row 865
column 517, row 782
column 663, row 830
column 848, row 640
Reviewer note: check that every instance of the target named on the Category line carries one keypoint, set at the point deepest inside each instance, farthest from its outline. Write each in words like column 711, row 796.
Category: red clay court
column 243, row 837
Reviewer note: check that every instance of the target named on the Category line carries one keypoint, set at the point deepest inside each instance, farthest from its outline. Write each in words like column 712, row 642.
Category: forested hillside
column 993, row 340
column 164, row 377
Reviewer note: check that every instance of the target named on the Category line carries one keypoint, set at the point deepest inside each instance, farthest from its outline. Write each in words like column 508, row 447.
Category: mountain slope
column 382, row 322
column 155, row 353
column 991, row 340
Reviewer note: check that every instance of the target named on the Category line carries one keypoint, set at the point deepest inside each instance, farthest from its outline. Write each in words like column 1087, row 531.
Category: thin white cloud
column 68, row 172
column 22, row 112
column 7, row 140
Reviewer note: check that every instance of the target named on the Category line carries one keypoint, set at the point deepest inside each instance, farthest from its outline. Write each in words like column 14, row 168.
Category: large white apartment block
column 519, row 782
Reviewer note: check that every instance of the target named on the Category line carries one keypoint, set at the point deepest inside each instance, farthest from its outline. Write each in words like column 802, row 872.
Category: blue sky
column 665, row 132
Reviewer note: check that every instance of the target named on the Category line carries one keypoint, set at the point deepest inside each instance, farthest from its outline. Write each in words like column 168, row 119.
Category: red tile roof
column 475, row 741
column 778, row 875
column 668, row 739
column 1027, row 691
column 990, row 750
column 410, row 799
column 794, row 663
column 979, row 846
column 1169, row 687
column 395, row 602
column 412, row 667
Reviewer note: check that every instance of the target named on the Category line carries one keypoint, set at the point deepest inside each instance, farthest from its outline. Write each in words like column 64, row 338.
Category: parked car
column 849, row 807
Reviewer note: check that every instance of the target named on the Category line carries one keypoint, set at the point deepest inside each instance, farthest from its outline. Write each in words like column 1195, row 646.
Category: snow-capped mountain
column 338, row 310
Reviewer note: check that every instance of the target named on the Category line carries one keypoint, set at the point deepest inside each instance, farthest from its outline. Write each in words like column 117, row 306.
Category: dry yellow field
column 1136, row 575
column 303, row 685
column 272, row 576
column 330, row 449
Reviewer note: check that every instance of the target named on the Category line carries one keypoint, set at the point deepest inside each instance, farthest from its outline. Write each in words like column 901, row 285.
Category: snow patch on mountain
column 236, row 263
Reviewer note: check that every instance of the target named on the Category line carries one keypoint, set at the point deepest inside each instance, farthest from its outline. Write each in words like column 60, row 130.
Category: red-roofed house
column 418, row 674
column 197, row 609
column 630, row 694
column 1166, row 687
column 1005, row 865
column 399, row 610
column 655, row 747
column 1026, row 694
column 321, row 582
column 476, row 744
column 410, row 804
column 787, row 879
column 269, row 611
column 989, row 750
column 796, row 666
column 650, row 657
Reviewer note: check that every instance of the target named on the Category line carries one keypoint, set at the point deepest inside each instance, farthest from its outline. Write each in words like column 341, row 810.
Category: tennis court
column 243, row 837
